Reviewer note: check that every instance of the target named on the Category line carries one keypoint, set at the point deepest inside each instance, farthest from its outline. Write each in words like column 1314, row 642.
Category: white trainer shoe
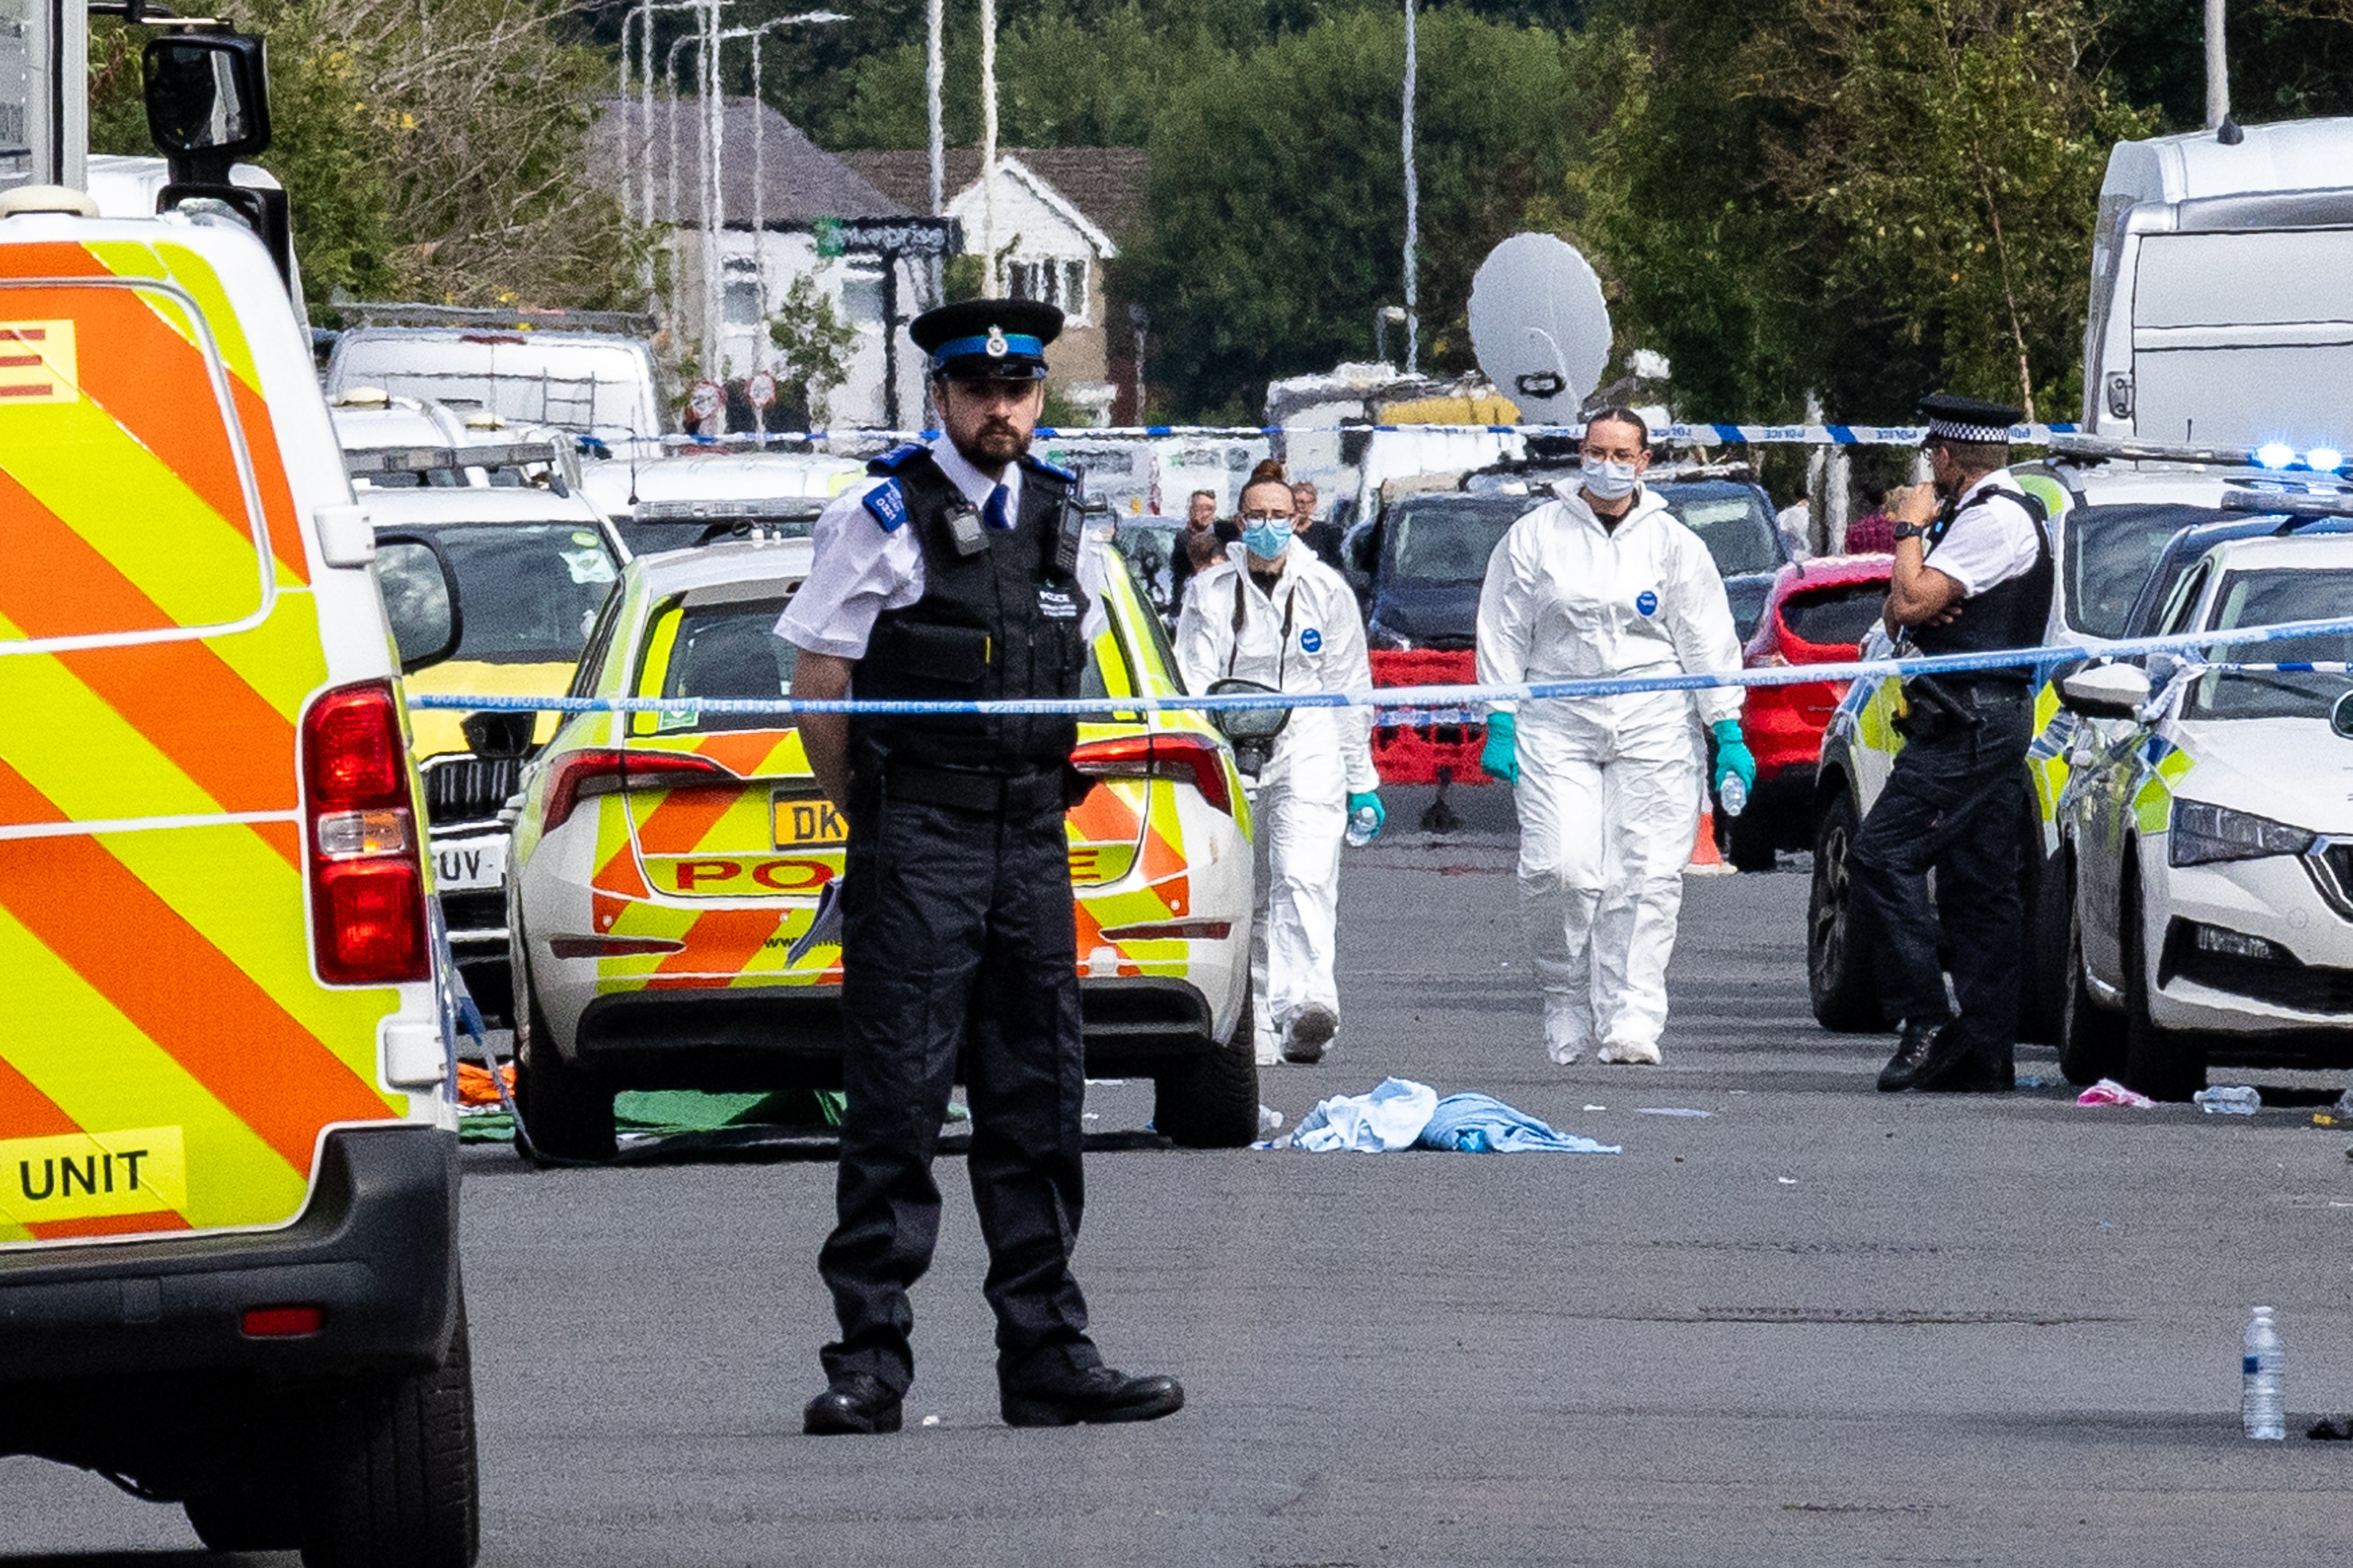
column 1644, row 1053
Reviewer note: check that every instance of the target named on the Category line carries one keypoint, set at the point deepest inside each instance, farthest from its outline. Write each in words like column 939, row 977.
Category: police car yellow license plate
column 804, row 822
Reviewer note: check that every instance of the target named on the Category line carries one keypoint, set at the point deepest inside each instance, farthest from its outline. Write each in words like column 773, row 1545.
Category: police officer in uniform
column 1972, row 575
column 955, row 571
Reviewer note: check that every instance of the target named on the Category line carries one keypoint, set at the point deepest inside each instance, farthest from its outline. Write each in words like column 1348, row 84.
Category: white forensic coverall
column 1610, row 788
column 1307, row 636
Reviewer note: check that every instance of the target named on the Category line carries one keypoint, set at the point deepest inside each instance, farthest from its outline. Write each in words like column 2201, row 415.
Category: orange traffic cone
column 1704, row 852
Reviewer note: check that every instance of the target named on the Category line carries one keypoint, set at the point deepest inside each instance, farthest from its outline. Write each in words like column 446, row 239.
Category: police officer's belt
column 969, row 790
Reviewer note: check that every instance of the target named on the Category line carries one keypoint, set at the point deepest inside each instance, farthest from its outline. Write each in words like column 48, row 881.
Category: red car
column 1817, row 613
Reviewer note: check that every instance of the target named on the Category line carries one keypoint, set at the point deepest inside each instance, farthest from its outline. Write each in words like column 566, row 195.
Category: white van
column 594, row 383
column 2222, row 289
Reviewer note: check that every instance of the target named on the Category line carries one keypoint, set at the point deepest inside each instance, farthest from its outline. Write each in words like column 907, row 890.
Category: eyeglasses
column 1268, row 516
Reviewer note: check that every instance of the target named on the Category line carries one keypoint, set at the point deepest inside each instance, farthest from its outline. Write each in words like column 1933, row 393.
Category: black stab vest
column 1004, row 622
column 2011, row 613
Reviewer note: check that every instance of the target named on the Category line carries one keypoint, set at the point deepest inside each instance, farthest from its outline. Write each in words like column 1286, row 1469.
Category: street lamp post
column 1412, row 211
column 760, row 160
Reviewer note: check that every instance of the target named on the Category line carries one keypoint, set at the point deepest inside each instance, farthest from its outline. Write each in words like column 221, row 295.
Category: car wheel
column 567, row 1112
column 2163, row 1064
column 392, row 1480
column 2091, row 1038
column 1752, row 844
column 1210, row 1100
column 251, row 1519
column 1838, row 967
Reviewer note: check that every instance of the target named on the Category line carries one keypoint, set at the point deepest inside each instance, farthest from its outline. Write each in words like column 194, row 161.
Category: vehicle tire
column 1838, row 967
column 1752, row 844
column 248, row 1519
column 1210, row 1100
column 392, row 1481
column 567, row 1113
column 2091, row 1038
column 2163, row 1064
column 2044, row 977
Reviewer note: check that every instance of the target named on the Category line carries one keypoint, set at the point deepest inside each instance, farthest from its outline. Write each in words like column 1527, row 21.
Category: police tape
column 1428, row 698
column 1680, row 435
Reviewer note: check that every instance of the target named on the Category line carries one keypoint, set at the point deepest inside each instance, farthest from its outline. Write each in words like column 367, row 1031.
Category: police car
column 229, row 1181
column 696, row 497
column 669, row 869
column 2209, row 835
column 2112, row 506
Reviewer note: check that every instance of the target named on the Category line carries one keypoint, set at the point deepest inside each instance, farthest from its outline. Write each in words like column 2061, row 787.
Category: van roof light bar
column 2286, row 503
column 2120, row 449
column 435, row 460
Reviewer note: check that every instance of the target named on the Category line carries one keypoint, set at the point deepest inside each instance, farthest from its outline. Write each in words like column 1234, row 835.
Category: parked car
column 694, row 498
column 668, row 869
column 2113, row 510
column 597, row 383
column 532, row 570
column 1817, row 613
column 2209, row 836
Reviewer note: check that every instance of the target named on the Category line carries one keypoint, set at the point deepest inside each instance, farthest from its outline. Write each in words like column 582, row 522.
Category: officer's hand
column 1914, row 504
column 1500, row 757
column 1370, row 801
column 1732, row 754
column 1945, row 617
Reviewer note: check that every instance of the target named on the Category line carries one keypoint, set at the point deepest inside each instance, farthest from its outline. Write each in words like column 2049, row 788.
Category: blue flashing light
column 2275, row 455
column 2324, row 459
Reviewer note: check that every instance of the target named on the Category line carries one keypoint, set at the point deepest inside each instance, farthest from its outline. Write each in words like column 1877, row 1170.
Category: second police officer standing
column 955, row 571
column 1973, row 575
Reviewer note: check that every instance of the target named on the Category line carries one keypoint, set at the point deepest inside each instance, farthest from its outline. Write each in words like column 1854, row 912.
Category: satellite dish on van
column 1539, row 326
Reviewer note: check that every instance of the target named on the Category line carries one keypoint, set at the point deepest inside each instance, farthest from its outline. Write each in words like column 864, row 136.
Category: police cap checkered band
column 1968, row 420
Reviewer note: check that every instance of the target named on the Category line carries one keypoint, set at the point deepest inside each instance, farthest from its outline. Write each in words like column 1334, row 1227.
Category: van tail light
column 1195, row 759
column 367, row 876
column 605, row 769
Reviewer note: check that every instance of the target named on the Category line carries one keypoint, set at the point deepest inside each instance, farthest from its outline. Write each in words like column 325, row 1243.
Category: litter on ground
column 2108, row 1092
column 1402, row 1114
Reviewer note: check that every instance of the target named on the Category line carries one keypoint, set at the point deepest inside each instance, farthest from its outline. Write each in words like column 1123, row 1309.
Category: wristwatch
column 1910, row 530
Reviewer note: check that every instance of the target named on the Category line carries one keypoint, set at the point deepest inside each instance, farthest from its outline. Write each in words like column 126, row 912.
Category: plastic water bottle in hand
column 2262, row 1404
column 1363, row 822
column 1733, row 796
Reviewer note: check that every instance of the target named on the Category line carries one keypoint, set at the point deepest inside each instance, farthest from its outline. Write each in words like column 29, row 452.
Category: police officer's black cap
column 988, row 339
column 1968, row 419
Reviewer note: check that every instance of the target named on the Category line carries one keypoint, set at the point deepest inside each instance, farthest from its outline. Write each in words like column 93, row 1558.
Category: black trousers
column 958, row 948
column 1952, row 803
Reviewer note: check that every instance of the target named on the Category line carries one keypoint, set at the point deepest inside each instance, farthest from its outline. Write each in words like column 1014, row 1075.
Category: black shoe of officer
column 857, row 1403
column 1983, row 1070
column 1902, row 1068
column 1061, row 1396
column 1311, row 1031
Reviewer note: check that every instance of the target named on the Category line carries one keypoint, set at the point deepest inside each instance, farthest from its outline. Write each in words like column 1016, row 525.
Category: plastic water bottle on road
column 1734, row 796
column 2239, row 1101
column 2262, row 1404
column 1363, row 822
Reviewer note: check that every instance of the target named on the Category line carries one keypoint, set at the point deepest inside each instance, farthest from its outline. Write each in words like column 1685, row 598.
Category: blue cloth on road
column 1391, row 1117
column 1481, row 1124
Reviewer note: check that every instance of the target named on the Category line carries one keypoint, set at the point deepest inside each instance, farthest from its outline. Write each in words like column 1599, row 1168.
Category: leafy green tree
column 817, row 344
column 1278, row 193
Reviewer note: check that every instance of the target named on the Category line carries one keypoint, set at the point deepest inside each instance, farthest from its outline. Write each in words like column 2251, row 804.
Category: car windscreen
column 2262, row 598
column 646, row 537
column 2110, row 552
column 528, row 592
column 1837, row 616
column 1731, row 519
column 1448, row 539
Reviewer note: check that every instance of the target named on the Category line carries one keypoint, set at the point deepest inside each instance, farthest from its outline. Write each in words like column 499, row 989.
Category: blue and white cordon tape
column 1701, row 435
column 1459, row 704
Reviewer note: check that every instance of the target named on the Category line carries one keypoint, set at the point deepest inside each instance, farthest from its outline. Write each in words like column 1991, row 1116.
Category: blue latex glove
column 1358, row 802
column 1732, row 755
column 1500, row 755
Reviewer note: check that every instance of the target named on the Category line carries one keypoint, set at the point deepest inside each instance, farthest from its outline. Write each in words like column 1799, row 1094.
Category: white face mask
column 1607, row 481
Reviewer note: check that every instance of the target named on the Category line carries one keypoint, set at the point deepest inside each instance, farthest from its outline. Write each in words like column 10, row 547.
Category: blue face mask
column 1266, row 540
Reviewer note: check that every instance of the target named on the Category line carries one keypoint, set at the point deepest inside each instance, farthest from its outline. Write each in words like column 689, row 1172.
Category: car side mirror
column 419, row 588
column 207, row 100
column 2106, row 691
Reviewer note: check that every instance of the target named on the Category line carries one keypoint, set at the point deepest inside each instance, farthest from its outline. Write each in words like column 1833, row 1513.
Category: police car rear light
column 284, row 1322
column 368, row 880
column 1195, row 759
column 346, row 835
column 603, row 770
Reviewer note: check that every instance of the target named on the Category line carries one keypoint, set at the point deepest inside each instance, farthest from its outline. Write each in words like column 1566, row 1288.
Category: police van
column 228, row 1270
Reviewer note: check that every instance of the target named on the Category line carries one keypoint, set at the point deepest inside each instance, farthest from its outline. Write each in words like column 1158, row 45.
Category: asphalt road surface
column 1818, row 1325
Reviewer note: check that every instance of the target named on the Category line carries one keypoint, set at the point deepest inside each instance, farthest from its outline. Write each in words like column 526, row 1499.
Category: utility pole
column 988, row 147
column 2217, row 69
column 1413, row 210
column 935, row 70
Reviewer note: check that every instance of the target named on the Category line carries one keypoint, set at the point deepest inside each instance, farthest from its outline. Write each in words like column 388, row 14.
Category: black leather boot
column 1902, row 1068
column 859, row 1402
column 1061, row 1396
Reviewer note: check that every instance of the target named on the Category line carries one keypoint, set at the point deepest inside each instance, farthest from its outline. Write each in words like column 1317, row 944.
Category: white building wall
column 1023, row 221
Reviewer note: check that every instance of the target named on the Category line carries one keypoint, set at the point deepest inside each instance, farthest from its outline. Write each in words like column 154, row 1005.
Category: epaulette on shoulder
column 1068, row 476
column 889, row 461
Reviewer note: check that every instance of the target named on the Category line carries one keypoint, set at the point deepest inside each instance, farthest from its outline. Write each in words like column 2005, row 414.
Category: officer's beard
column 998, row 442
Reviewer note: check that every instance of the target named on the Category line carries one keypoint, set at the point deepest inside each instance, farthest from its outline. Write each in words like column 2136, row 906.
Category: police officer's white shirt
column 1568, row 599
column 1990, row 543
column 863, row 569
column 1322, row 650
